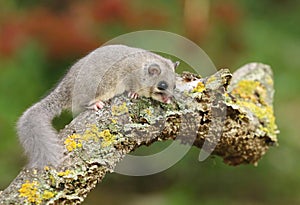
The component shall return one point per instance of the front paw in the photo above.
(133, 95)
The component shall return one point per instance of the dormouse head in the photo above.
(160, 74)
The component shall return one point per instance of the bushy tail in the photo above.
(37, 135)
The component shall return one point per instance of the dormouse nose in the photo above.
(162, 85)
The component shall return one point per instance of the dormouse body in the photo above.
(102, 74)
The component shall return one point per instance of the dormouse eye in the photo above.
(162, 85)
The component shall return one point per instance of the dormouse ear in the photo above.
(176, 64)
(154, 69)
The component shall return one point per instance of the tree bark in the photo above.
(228, 115)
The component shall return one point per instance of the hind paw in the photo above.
(97, 105)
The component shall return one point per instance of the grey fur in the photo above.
(101, 75)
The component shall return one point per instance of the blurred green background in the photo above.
(39, 40)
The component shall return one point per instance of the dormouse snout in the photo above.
(162, 92)
(162, 85)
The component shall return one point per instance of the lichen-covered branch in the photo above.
(229, 115)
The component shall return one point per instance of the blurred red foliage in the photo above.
(77, 27)
(228, 12)
(11, 36)
(110, 10)
(59, 34)
(73, 31)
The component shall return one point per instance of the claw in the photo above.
(133, 95)
(99, 105)
(96, 105)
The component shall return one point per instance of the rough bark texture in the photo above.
(228, 115)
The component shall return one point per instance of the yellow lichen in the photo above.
(250, 90)
(199, 88)
(211, 79)
(241, 116)
(148, 111)
(263, 113)
(52, 179)
(269, 80)
(48, 195)
(119, 110)
(29, 190)
(72, 142)
(46, 168)
(107, 137)
(93, 128)
(91, 134)
(65, 173)
(252, 95)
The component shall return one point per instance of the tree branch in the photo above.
(230, 116)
